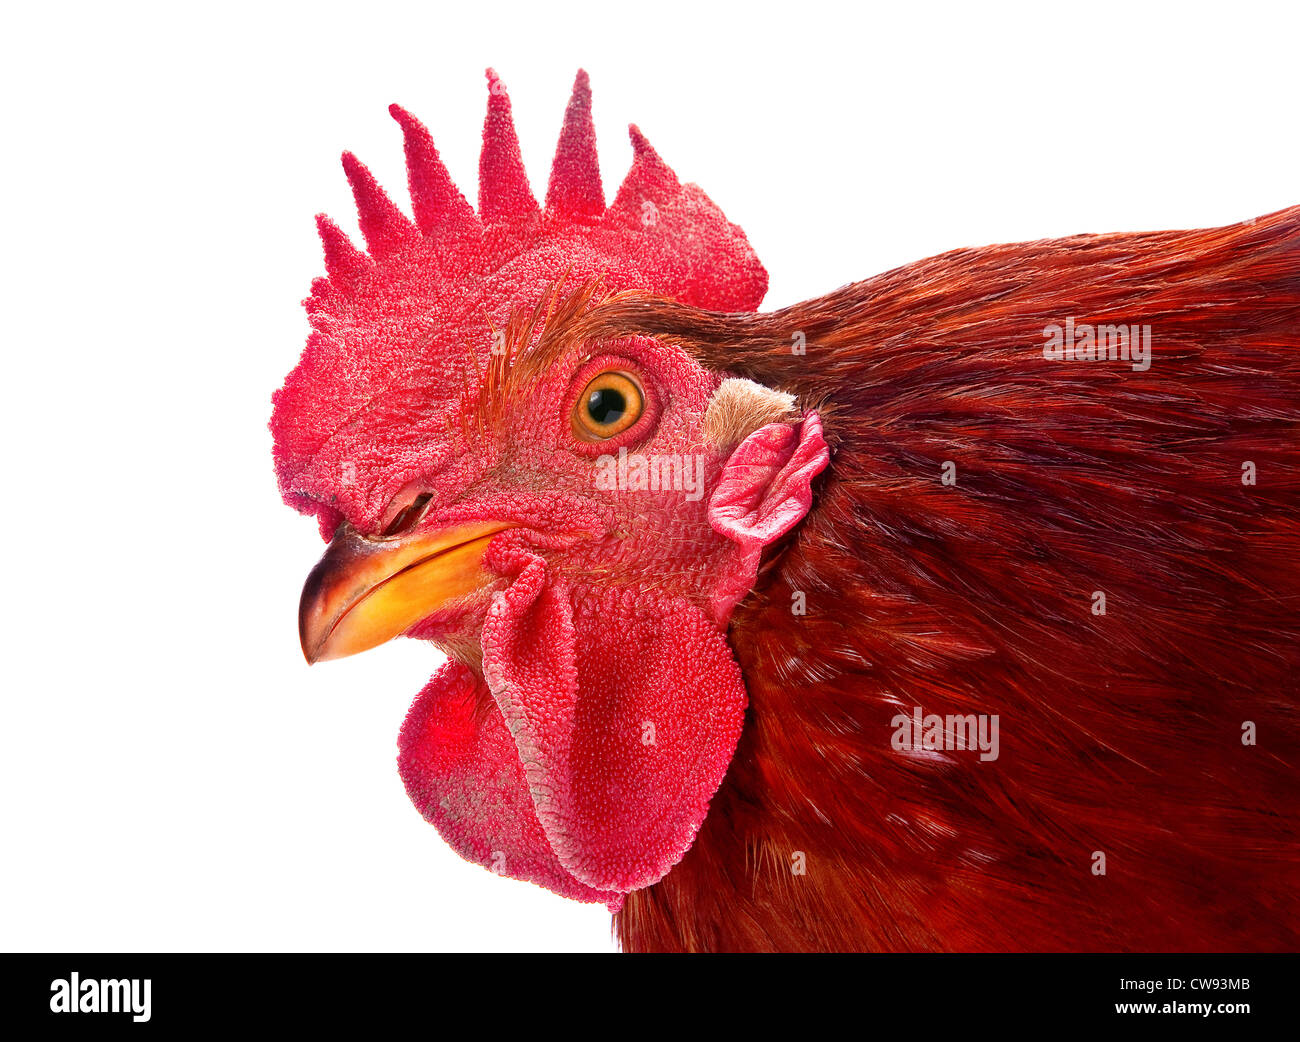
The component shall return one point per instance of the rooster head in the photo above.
(571, 516)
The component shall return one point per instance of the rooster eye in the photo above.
(609, 404)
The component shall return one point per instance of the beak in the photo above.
(364, 592)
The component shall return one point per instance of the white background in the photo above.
(172, 776)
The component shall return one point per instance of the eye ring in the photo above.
(611, 402)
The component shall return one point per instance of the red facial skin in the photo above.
(593, 704)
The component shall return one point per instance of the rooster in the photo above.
(912, 617)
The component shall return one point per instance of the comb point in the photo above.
(575, 188)
(383, 225)
(650, 178)
(439, 207)
(343, 261)
(503, 190)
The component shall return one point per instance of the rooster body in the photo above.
(1122, 732)
(688, 709)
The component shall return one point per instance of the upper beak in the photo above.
(365, 591)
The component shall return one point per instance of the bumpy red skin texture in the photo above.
(625, 710)
(460, 769)
(623, 700)
(599, 704)
(401, 335)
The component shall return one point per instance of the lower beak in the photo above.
(364, 592)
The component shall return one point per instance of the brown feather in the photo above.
(1120, 733)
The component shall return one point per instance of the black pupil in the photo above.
(606, 406)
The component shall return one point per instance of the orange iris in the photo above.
(610, 403)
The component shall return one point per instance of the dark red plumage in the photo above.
(1120, 733)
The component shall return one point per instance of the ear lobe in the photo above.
(765, 489)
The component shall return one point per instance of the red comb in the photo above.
(410, 311)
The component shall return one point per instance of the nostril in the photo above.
(409, 516)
